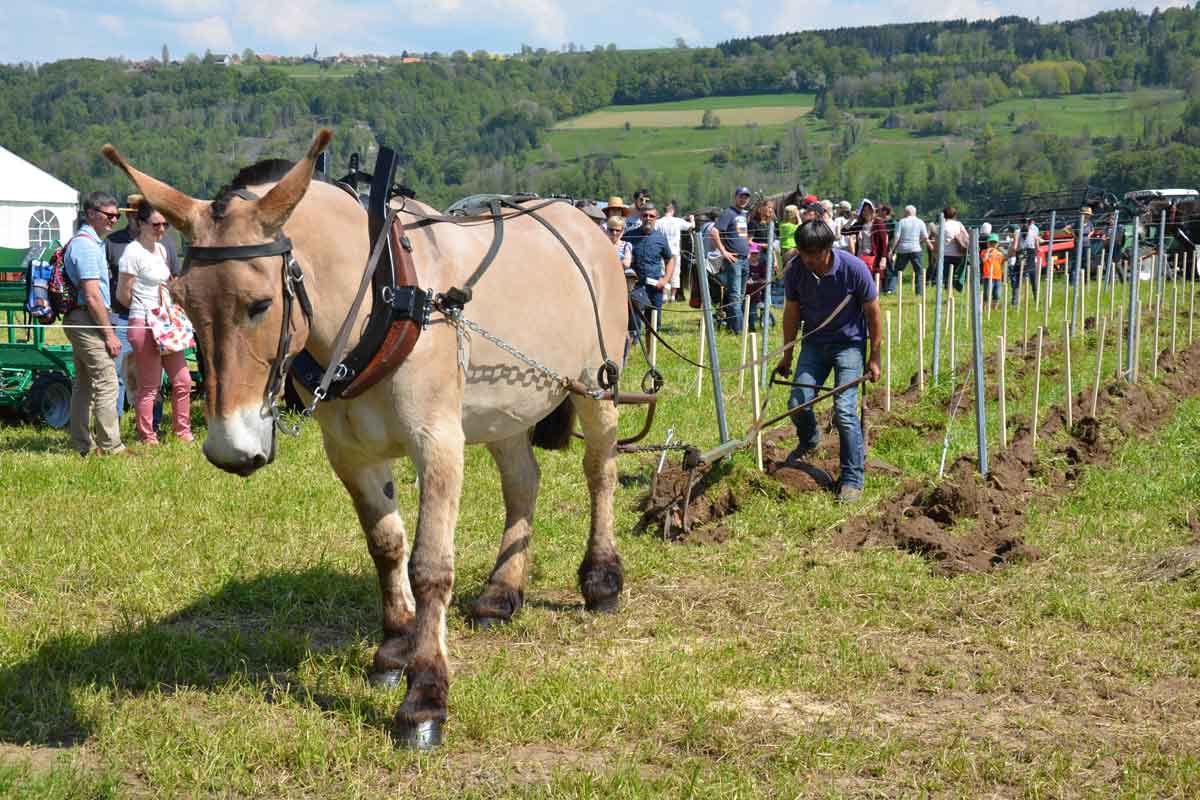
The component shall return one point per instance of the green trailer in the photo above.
(35, 376)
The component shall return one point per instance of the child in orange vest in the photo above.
(992, 270)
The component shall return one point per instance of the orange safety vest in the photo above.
(993, 264)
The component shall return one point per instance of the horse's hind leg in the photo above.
(600, 575)
(505, 592)
(374, 493)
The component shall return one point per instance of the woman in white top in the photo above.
(141, 285)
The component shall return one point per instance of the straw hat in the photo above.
(131, 203)
(616, 207)
(1086, 211)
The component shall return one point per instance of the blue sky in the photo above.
(55, 29)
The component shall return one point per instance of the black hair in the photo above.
(144, 211)
(814, 236)
(266, 171)
(98, 200)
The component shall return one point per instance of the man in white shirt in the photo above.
(1028, 238)
(912, 238)
(673, 227)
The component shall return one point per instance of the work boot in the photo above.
(799, 453)
(849, 494)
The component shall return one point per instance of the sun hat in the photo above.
(616, 206)
(1086, 211)
(131, 203)
(755, 247)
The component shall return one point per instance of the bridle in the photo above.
(293, 292)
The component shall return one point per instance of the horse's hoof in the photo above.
(604, 605)
(490, 623)
(423, 736)
(386, 679)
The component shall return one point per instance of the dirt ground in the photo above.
(963, 523)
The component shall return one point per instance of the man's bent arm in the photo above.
(875, 331)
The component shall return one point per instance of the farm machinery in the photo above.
(35, 375)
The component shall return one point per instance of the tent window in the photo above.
(43, 227)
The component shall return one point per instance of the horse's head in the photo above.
(233, 289)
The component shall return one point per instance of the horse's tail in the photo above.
(553, 432)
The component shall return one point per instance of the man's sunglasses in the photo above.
(113, 216)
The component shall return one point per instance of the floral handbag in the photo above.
(170, 326)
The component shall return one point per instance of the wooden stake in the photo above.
(1005, 299)
(1157, 312)
(1120, 341)
(1002, 391)
(921, 349)
(1099, 364)
(1025, 323)
(754, 396)
(745, 342)
(653, 350)
(700, 359)
(1037, 383)
(887, 361)
(953, 356)
(900, 310)
(1067, 355)
(1067, 292)
(1174, 303)
(1192, 298)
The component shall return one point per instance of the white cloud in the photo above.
(111, 24)
(307, 21)
(546, 21)
(211, 33)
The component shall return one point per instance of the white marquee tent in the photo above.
(35, 207)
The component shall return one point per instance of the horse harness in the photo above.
(400, 312)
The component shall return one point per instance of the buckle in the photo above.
(408, 302)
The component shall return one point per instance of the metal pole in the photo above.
(766, 323)
(1112, 246)
(713, 358)
(977, 336)
(1078, 278)
(937, 306)
(1134, 280)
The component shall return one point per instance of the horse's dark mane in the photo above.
(268, 170)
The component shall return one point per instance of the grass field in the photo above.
(169, 630)
(665, 139)
(757, 109)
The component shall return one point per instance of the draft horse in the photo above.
(449, 392)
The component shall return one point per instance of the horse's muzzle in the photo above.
(242, 442)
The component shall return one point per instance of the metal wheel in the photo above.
(49, 400)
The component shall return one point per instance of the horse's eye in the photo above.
(258, 308)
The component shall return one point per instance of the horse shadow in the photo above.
(259, 628)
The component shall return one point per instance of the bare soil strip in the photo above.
(964, 523)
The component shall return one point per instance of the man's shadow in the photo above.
(258, 627)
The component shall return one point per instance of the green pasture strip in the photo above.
(197, 634)
(716, 103)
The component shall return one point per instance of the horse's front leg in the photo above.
(438, 455)
(373, 490)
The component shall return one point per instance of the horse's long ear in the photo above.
(179, 209)
(276, 207)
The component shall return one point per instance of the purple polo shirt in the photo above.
(818, 296)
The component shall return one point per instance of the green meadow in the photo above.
(169, 630)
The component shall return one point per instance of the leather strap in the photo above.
(277, 247)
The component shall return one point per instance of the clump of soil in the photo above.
(923, 519)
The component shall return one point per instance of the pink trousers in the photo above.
(150, 363)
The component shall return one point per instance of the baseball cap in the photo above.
(742, 190)
(810, 199)
(845, 205)
(995, 237)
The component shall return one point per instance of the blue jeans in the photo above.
(896, 269)
(733, 278)
(991, 290)
(846, 360)
(642, 299)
